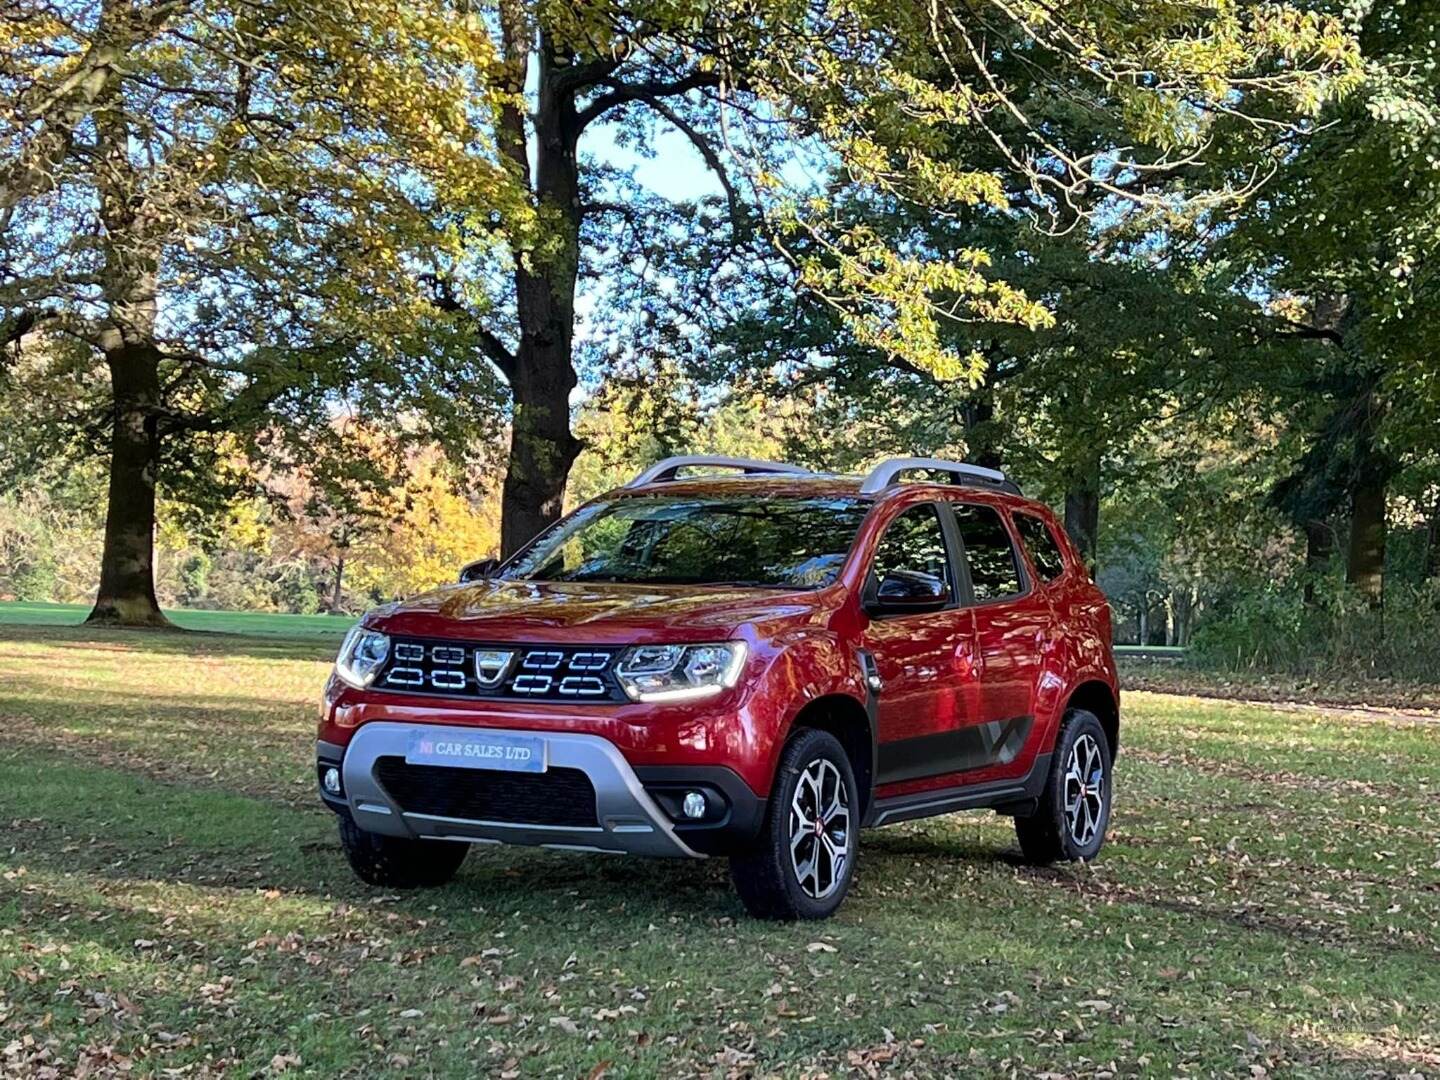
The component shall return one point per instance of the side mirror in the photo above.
(478, 570)
(908, 592)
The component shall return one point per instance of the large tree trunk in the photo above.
(130, 285)
(542, 449)
(1082, 512)
(978, 414)
(542, 374)
(127, 565)
(1365, 561)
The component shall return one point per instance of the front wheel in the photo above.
(801, 864)
(1074, 811)
(394, 862)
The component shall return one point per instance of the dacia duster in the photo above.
(752, 665)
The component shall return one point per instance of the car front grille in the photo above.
(559, 797)
(516, 672)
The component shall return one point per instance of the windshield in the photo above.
(775, 543)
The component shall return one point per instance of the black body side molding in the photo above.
(975, 746)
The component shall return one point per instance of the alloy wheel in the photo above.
(1084, 790)
(820, 833)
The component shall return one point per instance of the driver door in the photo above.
(914, 653)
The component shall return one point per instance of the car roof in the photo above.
(812, 485)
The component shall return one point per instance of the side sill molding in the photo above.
(922, 804)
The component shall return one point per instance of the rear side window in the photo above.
(1044, 552)
(994, 570)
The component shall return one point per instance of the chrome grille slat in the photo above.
(485, 670)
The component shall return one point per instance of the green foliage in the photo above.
(48, 540)
(210, 222)
(1350, 225)
(654, 410)
(1339, 634)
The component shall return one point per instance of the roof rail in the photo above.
(666, 470)
(888, 472)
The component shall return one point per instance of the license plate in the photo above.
(506, 753)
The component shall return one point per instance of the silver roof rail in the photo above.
(666, 470)
(888, 472)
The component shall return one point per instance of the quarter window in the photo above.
(1041, 544)
(914, 543)
(994, 570)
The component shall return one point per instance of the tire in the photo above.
(394, 862)
(1054, 833)
(768, 877)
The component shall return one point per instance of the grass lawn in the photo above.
(173, 902)
(19, 612)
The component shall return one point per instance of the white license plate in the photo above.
(506, 753)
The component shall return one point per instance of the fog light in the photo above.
(694, 805)
(330, 779)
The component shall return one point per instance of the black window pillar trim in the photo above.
(959, 564)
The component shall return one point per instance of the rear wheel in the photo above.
(394, 862)
(1074, 810)
(801, 864)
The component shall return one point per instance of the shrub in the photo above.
(1339, 633)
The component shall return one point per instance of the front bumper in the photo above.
(626, 819)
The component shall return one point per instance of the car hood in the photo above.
(562, 611)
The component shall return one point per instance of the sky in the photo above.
(676, 172)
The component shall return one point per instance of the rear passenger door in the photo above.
(1010, 623)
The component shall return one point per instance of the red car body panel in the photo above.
(942, 672)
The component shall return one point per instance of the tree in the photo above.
(404, 520)
(204, 212)
(1346, 244)
(878, 93)
(650, 408)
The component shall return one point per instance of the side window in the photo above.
(914, 543)
(1044, 552)
(994, 570)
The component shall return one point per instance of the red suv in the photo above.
(751, 665)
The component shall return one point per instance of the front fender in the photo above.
(810, 664)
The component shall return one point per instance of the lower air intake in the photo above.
(559, 797)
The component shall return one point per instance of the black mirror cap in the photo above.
(478, 570)
(908, 592)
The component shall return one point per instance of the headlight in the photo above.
(361, 656)
(679, 672)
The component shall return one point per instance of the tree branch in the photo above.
(739, 228)
(573, 78)
(1291, 328)
(515, 33)
(17, 326)
(622, 93)
(444, 298)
